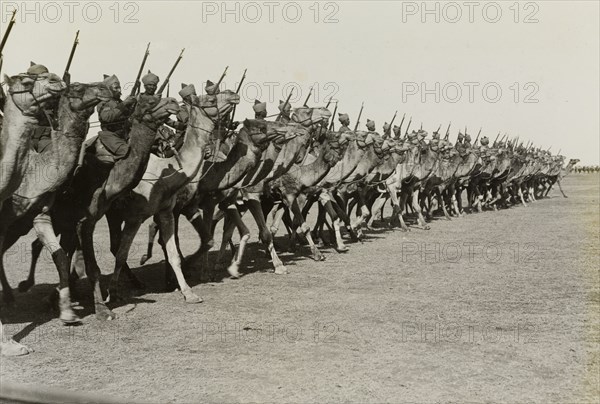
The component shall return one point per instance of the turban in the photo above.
(150, 78)
(344, 117)
(370, 124)
(386, 127)
(485, 141)
(460, 136)
(187, 89)
(36, 69)
(259, 106)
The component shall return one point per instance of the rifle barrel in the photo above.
(287, 100)
(70, 60)
(8, 29)
(164, 83)
(136, 85)
(333, 117)
(359, 115)
(307, 98)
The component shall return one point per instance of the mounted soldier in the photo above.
(467, 140)
(370, 125)
(114, 121)
(387, 130)
(345, 123)
(285, 109)
(168, 141)
(41, 134)
(150, 82)
(260, 110)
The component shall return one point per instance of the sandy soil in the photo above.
(499, 306)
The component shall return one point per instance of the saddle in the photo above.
(106, 149)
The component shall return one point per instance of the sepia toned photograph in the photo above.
(300, 201)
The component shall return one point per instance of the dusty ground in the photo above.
(500, 306)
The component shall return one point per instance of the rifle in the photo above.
(448, 130)
(7, 33)
(359, 114)
(477, 138)
(307, 98)
(393, 119)
(66, 75)
(239, 87)
(287, 100)
(495, 140)
(407, 127)
(401, 122)
(136, 85)
(164, 83)
(329, 102)
(333, 116)
(222, 75)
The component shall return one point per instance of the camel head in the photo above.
(572, 162)
(333, 148)
(311, 116)
(226, 99)
(84, 97)
(30, 92)
(154, 111)
(261, 133)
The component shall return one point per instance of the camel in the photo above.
(46, 173)
(27, 97)
(558, 174)
(306, 123)
(211, 191)
(294, 186)
(155, 195)
(96, 186)
(421, 161)
(197, 200)
(358, 144)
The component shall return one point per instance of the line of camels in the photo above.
(273, 169)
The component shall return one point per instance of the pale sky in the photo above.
(391, 55)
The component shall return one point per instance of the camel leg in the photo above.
(295, 205)
(560, 188)
(228, 229)
(443, 204)
(398, 206)
(10, 347)
(85, 232)
(152, 230)
(7, 293)
(114, 228)
(337, 224)
(36, 250)
(522, 197)
(166, 225)
(265, 235)
(234, 267)
(377, 210)
(42, 225)
(417, 208)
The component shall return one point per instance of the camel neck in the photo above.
(14, 148)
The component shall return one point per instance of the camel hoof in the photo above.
(342, 249)
(281, 270)
(25, 286)
(190, 297)
(113, 296)
(233, 271)
(68, 317)
(144, 259)
(317, 256)
(13, 348)
(103, 313)
(405, 229)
